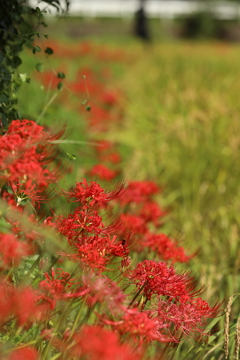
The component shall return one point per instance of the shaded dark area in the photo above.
(141, 29)
(203, 25)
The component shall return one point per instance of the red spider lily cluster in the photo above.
(96, 281)
(108, 296)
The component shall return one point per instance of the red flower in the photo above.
(97, 343)
(158, 279)
(12, 250)
(25, 353)
(166, 248)
(138, 192)
(188, 317)
(103, 172)
(98, 251)
(18, 303)
(25, 154)
(151, 212)
(142, 326)
(134, 223)
(89, 194)
(55, 286)
(103, 290)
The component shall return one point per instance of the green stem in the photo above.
(63, 316)
(26, 277)
(47, 106)
(76, 320)
(139, 291)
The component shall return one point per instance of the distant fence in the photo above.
(154, 8)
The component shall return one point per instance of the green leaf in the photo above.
(4, 226)
(24, 78)
(36, 49)
(1, 57)
(84, 102)
(46, 36)
(71, 156)
(49, 51)
(3, 119)
(88, 108)
(60, 85)
(3, 99)
(61, 75)
(39, 67)
(16, 61)
(4, 74)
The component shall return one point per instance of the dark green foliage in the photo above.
(48, 51)
(18, 28)
(200, 25)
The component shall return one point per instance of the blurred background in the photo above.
(168, 18)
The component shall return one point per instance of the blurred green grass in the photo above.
(180, 128)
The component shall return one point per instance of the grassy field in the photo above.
(180, 127)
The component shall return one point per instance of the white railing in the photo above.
(154, 8)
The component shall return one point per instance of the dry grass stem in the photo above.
(237, 345)
(226, 328)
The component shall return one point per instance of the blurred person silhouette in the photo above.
(141, 29)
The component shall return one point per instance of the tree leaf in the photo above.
(39, 67)
(36, 49)
(3, 119)
(49, 51)
(61, 75)
(3, 99)
(60, 85)
(16, 61)
(4, 74)
(24, 78)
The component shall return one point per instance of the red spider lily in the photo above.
(188, 317)
(25, 152)
(89, 194)
(151, 212)
(56, 285)
(81, 221)
(84, 222)
(106, 152)
(114, 158)
(103, 146)
(104, 345)
(103, 290)
(109, 98)
(103, 172)
(141, 326)
(97, 251)
(99, 118)
(156, 278)
(12, 250)
(166, 248)
(138, 192)
(18, 303)
(25, 353)
(134, 223)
